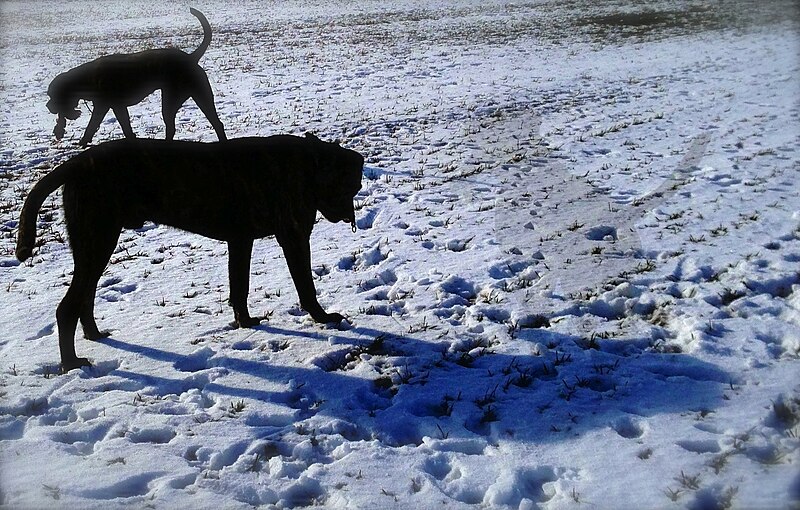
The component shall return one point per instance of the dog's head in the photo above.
(62, 103)
(338, 179)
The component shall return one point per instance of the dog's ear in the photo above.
(319, 153)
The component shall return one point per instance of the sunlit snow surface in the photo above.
(575, 283)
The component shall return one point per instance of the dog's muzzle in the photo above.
(337, 212)
(63, 110)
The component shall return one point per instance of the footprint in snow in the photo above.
(116, 291)
(366, 221)
(132, 486)
(628, 428)
(365, 258)
(700, 445)
(438, 466)
(196, 361)
(155, 435)
(514, 486)
(383, 278)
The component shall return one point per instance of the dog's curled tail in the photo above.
(26, 236)
(196, 54)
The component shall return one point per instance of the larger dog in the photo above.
(234, 191)
(117, 81)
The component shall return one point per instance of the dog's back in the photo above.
(136, 75)
(212, 189)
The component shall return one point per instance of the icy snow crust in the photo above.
(575, 281)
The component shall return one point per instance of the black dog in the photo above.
(234, 191)
(118, 81)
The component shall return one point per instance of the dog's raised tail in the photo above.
(26, 236)
(196, 54)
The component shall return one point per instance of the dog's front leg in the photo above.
(297, 251)
(124, 121)
(239, 252)
(98, 114)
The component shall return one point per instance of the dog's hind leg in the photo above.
(124, 121)
(73, 307)
(211, 113)
(98, 265)
(204, 97)
(67, 315)
(104, 240)
(93, 241)
(239, 253)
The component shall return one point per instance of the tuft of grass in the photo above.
(728, 296)
(488, 398)
(787, 413)
(644, 267)
(524, 379)
(236, 407)
(534, 322)
(719, 231)
(605, 368)
(673, 494)
(690, 482)
(404, 374)
(276, 345)
(445, 407)
(575, 226)
(725, 500)
(390, 494)
(568, 391)
(718, 462)
(53, 492)
(490, 415)
(422, 326)
(562, 358)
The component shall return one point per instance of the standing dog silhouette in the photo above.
(235, 191)
(114, 82)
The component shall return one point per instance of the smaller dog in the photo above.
(115, 82)
(234, 191)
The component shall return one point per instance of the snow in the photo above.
(574, 282)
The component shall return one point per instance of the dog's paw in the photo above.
(330, 318)
(247, 322)
(97, 335)
(67, 365)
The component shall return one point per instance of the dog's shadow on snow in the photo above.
(425, 389)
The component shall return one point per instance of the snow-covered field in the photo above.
(575, 283)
